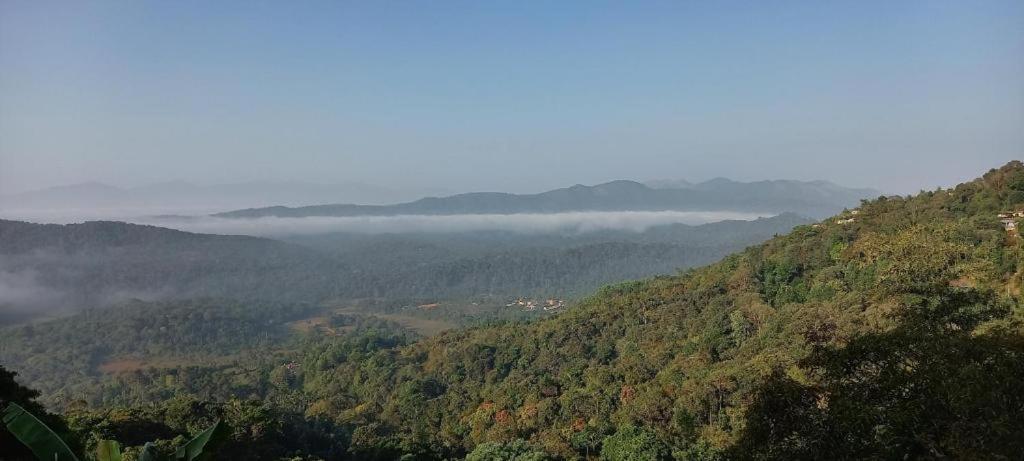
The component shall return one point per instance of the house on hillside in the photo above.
(1009, 219)
(552, 304)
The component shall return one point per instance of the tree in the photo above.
(932, 387)
(516, 450)
(13, 393)
(46, 445)
(632, 443)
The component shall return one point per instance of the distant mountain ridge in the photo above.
(810, 198)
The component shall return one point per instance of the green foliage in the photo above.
(148, 452)
(631, 443)
(32, 432)
(69, 354)
(249, 429)
(202, 445)
(108, 450)
(11, 392)
(516, 450)
(930, 388)
(781, 282)
(45, 444)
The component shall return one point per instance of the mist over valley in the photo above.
(511, 231)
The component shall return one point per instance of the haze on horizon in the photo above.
(470, 96)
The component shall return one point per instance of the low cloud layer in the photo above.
(524, 223)
(20, 288)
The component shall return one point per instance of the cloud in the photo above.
(21, 290)
(47, 283)
(571, 222)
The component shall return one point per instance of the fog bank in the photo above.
(571, 222)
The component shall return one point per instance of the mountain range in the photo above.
(814, 198)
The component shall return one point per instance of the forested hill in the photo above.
(17, 237)
(471, 264)
(894, 330)
(45, 267)
(815, 198)
(48, 266)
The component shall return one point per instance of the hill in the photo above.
(48, 268)
(864, 310)
(510, 264)
(807, 198)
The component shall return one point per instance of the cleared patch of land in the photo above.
(420, 325)
(128, 364)
(425, 327)
(308, 325)
(123, 365)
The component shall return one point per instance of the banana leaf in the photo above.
(202, 445)
(39, 438)
(108, 450)
(148, 452)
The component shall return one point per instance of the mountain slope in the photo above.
(67, 267)
(48, 267)
(472, 264)
(678, 361)
(807, 198)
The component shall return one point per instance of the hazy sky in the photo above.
(520, 96)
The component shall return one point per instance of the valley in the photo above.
(691, 361)
(511, 231)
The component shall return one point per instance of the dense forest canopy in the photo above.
(891, 330)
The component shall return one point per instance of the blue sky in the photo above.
(519, 96)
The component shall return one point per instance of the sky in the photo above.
(517, 96)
